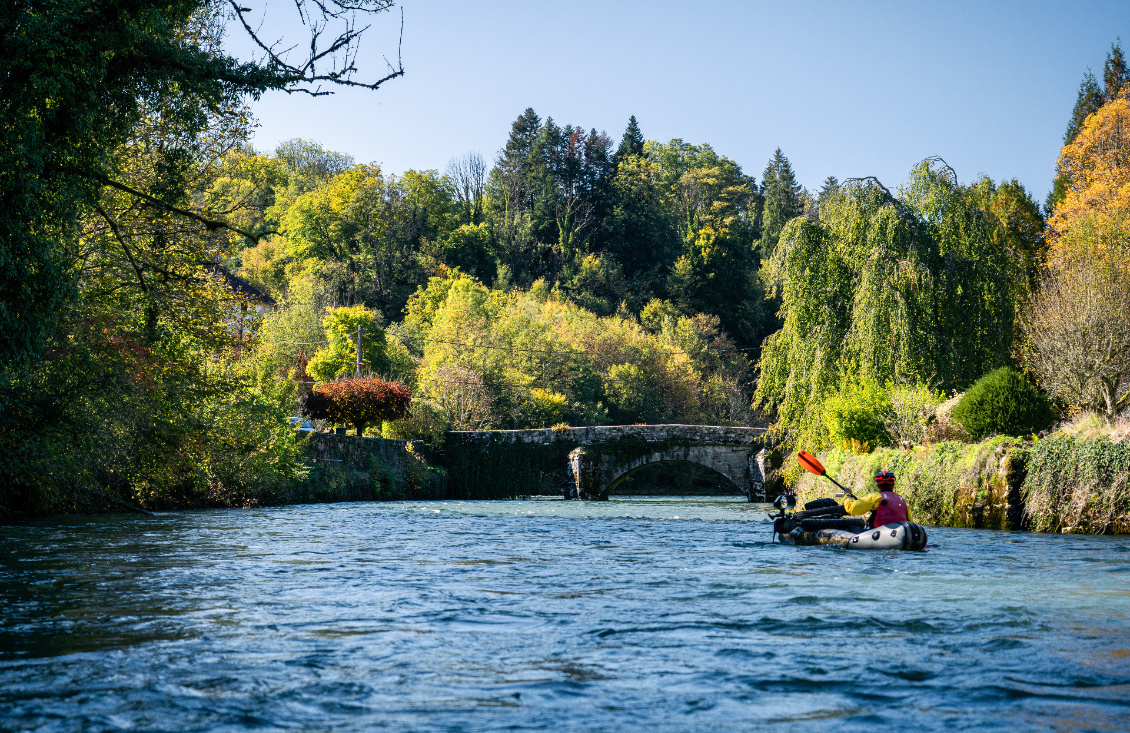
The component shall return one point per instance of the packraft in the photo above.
(826, 522)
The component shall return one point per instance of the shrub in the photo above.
(358, 402)
(1003, 402)
(854, 417)
(944, 428)
(911, 411)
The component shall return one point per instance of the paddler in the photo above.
(884, 505)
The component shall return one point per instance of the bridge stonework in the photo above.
(588, 462)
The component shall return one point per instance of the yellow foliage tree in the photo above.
(1094, 216)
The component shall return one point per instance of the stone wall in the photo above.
(505, 463)
(349, 468)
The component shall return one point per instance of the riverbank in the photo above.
(1062, 483)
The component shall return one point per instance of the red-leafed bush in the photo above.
(357, 402)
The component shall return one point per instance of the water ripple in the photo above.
(648, 614)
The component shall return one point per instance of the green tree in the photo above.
(781, 201)
(1115, 73)
(1022, 222)
(338, 358)
(78, 76)
(712, 205)
(631, 143)
(511, 196)
(639, 231)
(921, 286)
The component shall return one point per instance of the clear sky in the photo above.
(843, 88)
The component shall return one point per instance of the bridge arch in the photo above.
(703, 459)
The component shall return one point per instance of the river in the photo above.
(639, 614)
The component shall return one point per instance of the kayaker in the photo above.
(884, 505)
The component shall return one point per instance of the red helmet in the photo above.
(885, 480)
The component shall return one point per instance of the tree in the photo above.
(1094, 214)
(360, 235)
(1078, 328)
(339, 357)
(638, 230)
(358, 402)
(712, 205)
(918, 286)
(631, 143)
(1115, 73)
(78, 76)
(828, 188)
(467, 178)
(1021, 220)
(1090, 98)
(511, 196)
(781, 198)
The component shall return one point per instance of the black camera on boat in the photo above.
(785, 501)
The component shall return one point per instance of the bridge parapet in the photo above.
(499, 463)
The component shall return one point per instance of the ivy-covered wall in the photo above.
(349, 468)
(1078, 485)
(1058, 484)
(504, 464)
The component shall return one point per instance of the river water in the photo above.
(638, 614)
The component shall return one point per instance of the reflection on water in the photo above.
(638, 613)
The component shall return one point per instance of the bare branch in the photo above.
(340, 52)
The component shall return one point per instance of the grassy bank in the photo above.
(1063, 483)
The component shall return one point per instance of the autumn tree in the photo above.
(1091, 96)
(358, 402)
(1094, 214)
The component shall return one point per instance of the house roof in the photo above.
(239, 285)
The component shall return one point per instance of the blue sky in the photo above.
(843, 88)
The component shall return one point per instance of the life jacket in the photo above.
(892, 508)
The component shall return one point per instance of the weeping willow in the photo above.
(921, 286)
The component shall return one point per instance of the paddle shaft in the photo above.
(845, 489)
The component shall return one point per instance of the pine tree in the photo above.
(632, 141)
(830, 186)
(1115, 74)
(520, 144)
(781, 200)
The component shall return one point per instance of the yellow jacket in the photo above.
(867, 504)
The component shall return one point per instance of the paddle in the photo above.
(814, 466)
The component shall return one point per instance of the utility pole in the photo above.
(359, 352)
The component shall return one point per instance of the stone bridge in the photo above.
(588, 462)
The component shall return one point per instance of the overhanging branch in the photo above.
(210, 224)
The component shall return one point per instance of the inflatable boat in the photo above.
(825, 522)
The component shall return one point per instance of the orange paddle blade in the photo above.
(810, 463)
